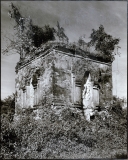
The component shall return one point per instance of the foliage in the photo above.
(1, 102)
(8, 106)
(121, 156)
(63, 135)
(60, 33)
(42, 35)
(30, 38)
(9, 138)
(82, 43)
(27, 34)
(9, 101)
(103, 42)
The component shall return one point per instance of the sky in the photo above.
(77, 18)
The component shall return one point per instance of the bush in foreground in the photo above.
(66, 135)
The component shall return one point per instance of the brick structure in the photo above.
(56, 76)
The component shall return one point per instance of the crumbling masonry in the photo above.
(56, 76)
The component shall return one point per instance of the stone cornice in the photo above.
(86, 57)
(67, 51)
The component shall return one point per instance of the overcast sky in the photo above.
(77, 18)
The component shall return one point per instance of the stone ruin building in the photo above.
(57, 75)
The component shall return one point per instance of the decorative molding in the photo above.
(53, 50)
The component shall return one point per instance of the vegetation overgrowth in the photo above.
(29, 37)
(64, 135)
(68, 134)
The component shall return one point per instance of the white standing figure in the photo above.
(87, 96)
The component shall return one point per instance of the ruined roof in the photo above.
(70, 49)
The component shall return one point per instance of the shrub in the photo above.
(121, 156)
(53, 134)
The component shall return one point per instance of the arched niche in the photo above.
(76, 90)
(36, 86)
(96, 98)
(78, 94)
(24, 96)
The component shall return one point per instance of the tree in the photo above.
(103, 42)
(27, 36)
(8, 105)
(81, 42)
(9, 101)
(60, 33)
(42, 35)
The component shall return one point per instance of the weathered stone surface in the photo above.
(58, 78)
(95, 96)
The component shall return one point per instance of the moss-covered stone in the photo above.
(57, 76)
